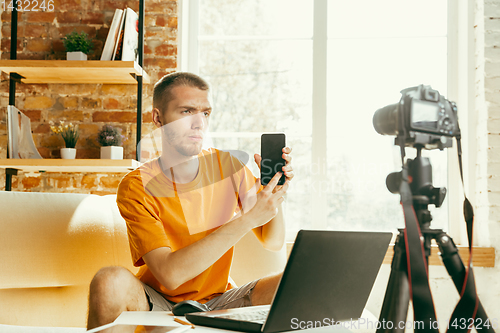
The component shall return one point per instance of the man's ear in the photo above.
(157, 118)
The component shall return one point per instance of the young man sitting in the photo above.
(184, 212)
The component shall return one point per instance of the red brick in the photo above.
(88, 153)
(72, 89)
(147, 117)
(88, 181)
(45, 152)
(161, 33)
(69, 17)
(93, 18)
(32, 89)
(52, 141)
(161, 21)
(64, 5)
(42, 128)
(39, 45)
(34, 115)
(111, 5)
(118, 117)
(172, 22)
(166, 50)
(91, 103)
(110, 181)
(15, 182)
(31, 182)
(40, 17)
(35, 30)
(88, 130)
(69, 102)
(67, 116)
(147, 49)
(95, 53)
(162, 7)
(6, 30)
(149, 20)
(38, 102)
(6, 45)
(118, 89)
(31, 56)
(162, 63)
(102, 33)
(61, 181)
(6, 15)
(113, 104)
(58, 46)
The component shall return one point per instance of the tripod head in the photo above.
(423, 192)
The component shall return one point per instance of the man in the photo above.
(185, 211)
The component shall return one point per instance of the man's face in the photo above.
(186, 119)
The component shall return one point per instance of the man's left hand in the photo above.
(287, 168)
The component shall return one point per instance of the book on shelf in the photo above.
(107, 51)
(20, 140)
(130, 36)
(119, 40)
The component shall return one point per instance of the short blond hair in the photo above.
(162, 93)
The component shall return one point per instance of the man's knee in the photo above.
(110, 282)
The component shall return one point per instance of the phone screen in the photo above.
(271, 150)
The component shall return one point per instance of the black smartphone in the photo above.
(271, 151)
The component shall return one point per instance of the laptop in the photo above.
(328, 278)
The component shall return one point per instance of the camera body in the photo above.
(424, 116)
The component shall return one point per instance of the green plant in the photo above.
(109, 136)
(69, 133)
(77, 42)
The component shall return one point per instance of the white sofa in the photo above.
(52, 244)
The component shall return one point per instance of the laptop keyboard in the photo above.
(252, 316)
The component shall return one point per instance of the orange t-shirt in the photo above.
(162, 213)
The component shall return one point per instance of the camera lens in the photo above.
(385, 120)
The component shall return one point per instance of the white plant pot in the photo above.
(76, 56)
(68, 153)
(112, 153)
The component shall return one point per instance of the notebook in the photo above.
(328, 278)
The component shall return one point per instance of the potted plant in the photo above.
(110, 140)
(77, 45)
(69, 133)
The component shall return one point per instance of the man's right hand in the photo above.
(267, 203)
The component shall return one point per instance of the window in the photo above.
(318, 70)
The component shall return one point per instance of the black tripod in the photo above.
(397, 295)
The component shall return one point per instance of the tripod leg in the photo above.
(397, 295)
(456, 269)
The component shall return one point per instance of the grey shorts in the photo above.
(234, 298)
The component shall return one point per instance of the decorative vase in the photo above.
(112, 152)
(68, 153)
(78, 55)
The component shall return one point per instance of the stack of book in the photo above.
(123, 36)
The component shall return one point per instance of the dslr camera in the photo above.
(423, 116)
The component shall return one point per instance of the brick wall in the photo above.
(89, 106)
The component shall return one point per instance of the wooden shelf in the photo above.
(77, 165)
(83, 72)
(481, 256)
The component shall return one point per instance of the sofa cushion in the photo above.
(55, 239)
(52, 244)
